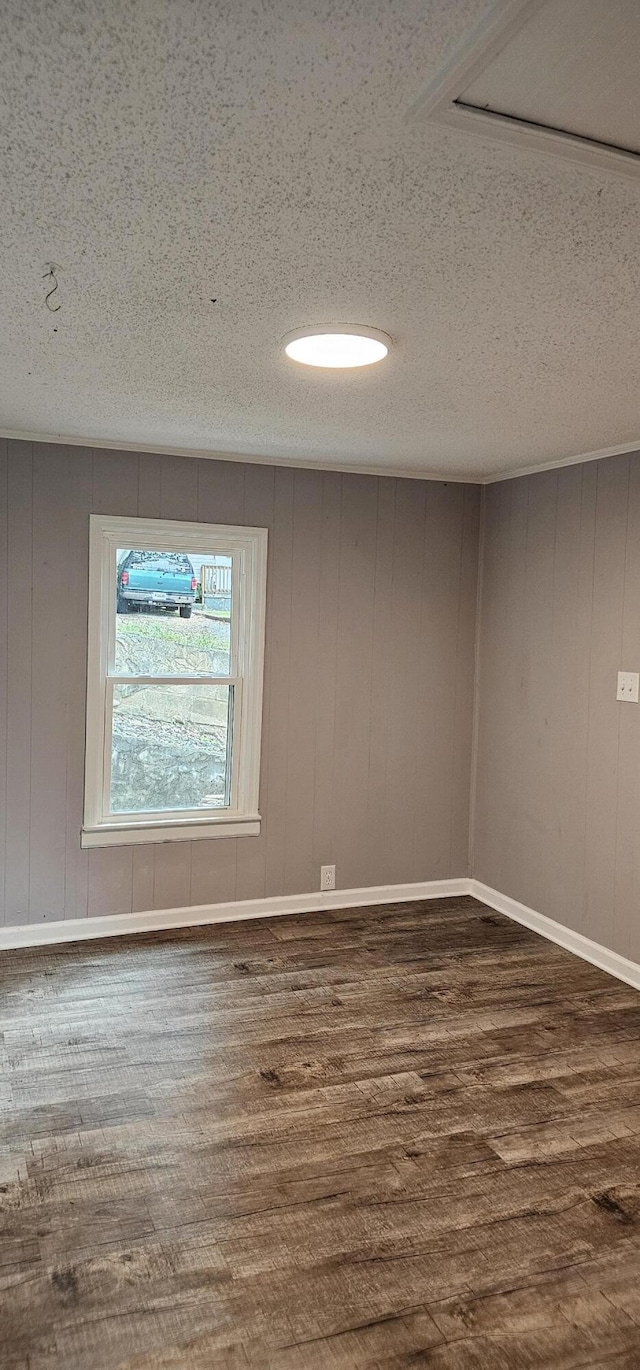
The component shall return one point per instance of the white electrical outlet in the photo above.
(628, 682)
(327, 877)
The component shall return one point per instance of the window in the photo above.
(174, 681)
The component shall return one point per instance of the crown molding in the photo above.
(578, 460)
(338, 468)
(250, 458)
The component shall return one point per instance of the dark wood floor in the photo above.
(378, 1138)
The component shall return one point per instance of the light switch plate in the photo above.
(628, 686)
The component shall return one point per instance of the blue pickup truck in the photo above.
(158, 579)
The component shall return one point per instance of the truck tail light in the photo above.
(194, 583)
(124, 578)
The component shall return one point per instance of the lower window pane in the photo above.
(171, 747)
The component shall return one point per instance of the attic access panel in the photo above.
(557, 77)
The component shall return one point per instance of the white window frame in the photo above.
(248, 548)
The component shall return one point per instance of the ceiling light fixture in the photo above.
(337, 345)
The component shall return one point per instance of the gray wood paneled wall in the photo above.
(368, 686)
(557, 803)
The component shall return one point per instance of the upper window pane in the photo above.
(173, 613)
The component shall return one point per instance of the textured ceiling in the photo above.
(170, 152)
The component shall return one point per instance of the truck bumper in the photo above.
(151, 597)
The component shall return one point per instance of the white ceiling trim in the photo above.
(299, 463)
(442, 103)
(580, 458)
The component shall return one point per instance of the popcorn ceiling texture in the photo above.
(168, 152)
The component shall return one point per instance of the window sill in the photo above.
(130, 834)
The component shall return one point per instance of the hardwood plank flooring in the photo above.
(384, 1137)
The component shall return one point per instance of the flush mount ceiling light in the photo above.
(337, 345)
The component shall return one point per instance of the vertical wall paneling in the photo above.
(4, 664)
(356, 579)
(428, 821)
(574, 814)
(19, 642)
(172, 875)
(52, 619)
(604, 711)
(115, 481)
(538, 618)
(278, 680)
(110, 881)
(569, 707)
(626, 932)
(367, 707)
(379, 691)
(149, 486)
(404, 654)
(464, 685)
(299, 873)
(558, 787)
(179, 489)
(258, 498)
(77, 503)
(114, 491)
(142, 878)
(221, 491)
(325, 652)
(501, 676)
(367, 627)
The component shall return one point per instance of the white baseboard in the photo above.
(155, 920)
(124, 924)
(600, 956)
